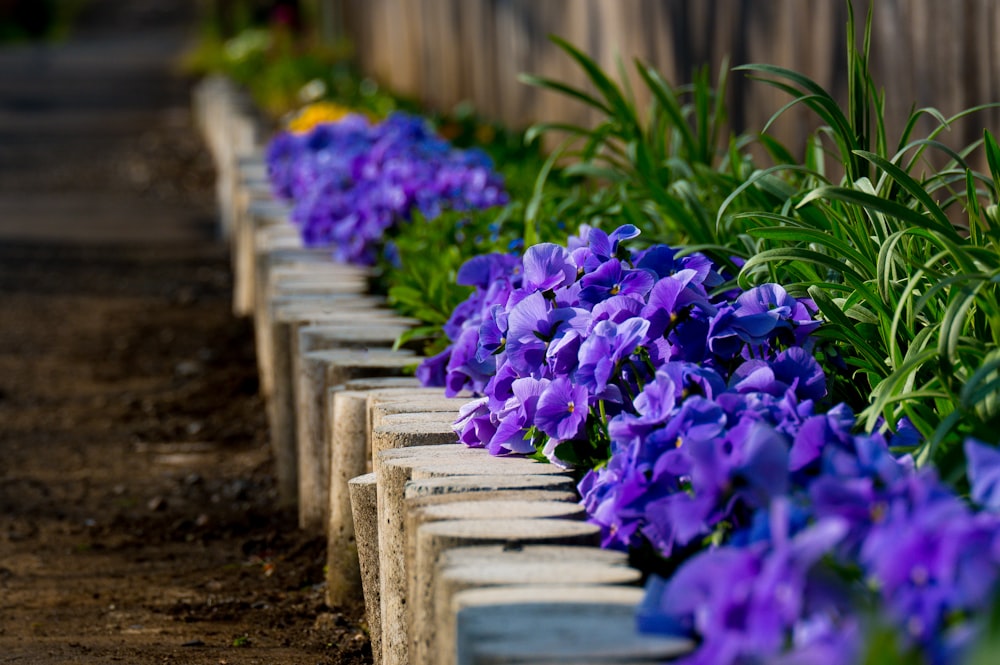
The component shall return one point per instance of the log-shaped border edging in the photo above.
(370, 458)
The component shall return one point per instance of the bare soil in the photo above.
(137, 501)
(137, 518)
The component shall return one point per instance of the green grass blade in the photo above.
(983, 382)
(800, 255)
(669, 104)
(993, 158)
(875, 203)
(910, 185)
(540, 128)
(616, 104)
(810, 93)
(564, 89)
(834, 245)
(894, 384)
(955, 319)
(847, 328)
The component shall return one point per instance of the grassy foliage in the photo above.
(673, 165)
(899, 255)
(903, 266)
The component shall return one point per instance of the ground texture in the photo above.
(137, 518)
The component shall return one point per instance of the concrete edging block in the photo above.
(363, 506)
(565, 625)
(435, 538)
(424, 576)
(319, 370)
(314, 417)
(439, 638)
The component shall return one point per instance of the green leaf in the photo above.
(983, 381)
(834, 246)
(616, 106)
(670, 105)
(564, 89)
(954, 321)
(875, 203)
(798, 255)
(912, 186)
(419, 332)
(847, 328)
(993, 158)
(894, 384)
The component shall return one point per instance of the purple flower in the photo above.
(483, 270)
(605, 348)
(615, 497)
(548, 266)
(474, 425)
(613, 278)
(431, 371)
(500, 387)
(517, 417)
(616, 309)
(562, 409)
(464, 368)
(599, 247)
(653, 406)
(677, 518)
(792, 369)
(929, 556)
(562, 356)
(492, 333)
(984, 473)
(760, 315)
(663, 262)
(818, 431)
(351, 182)
(762, 603)
(280, 157)
(531, 325)
(670, 297)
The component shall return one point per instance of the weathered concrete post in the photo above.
(564, 625)
(363, 505)
(423, 575)
(281, 405)
(321, 369)
(349, 457)
(438, 637)
(435, 538)
(393, 469)
(313, 419)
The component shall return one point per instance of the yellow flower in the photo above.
(314, 114)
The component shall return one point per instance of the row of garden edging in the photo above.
(461, 557)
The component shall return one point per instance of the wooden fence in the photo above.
(939, 53)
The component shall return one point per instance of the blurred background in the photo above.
(444, 54)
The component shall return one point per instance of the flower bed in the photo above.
(779, 414)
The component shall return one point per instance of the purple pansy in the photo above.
(605, 348)
(984, 473)
(548, 266)
(531, 325)
(760, 603)
(350, 182)
(613, 278)
(562, 409)
(517, 417)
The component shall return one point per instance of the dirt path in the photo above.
(136, 497)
